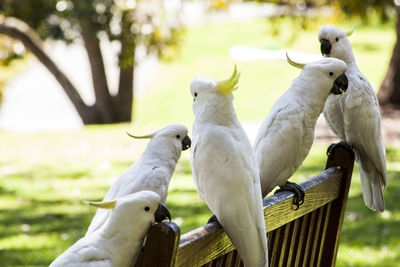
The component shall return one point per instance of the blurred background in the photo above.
(76, 75)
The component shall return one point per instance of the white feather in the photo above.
(152, 171)
(287, 133)
(118, 241)
(225, 171)
(358, 121)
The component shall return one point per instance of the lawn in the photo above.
(44, 177)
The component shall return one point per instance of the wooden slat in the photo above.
(320, 189)
(276, 247)
(321, 246)
(270, 241)
(233, 258)
(288, 230)
(294, 242)
(301, 250)
(315, 244)
(163, 235)
(210, 241)
(345, 159)
(203, 245)
(310, 238)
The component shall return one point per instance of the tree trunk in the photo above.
(389, 93)
(104, 104)
(124, 100)
(18, 29)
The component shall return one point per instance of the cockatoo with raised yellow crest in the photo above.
(118, 242)
(152, 171)
(286, 135)
(355, 117)
(225, 170)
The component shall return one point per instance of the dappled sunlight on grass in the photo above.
(361, 256)
(42, 209)
(44, 177)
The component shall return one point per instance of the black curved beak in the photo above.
(186, 142)
(325, 47)
(162, 213)
(340, 85)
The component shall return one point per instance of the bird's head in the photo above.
(134, 212)
(206, 90)
(334, 42)
(326, 75)
(174, 135)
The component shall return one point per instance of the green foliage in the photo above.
(134, 23)
(306, 15)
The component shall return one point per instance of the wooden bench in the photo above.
(306, 237)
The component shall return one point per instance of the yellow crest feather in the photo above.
(229, 85)
(349, 32)
(102, 204)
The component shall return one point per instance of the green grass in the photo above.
(44, 177)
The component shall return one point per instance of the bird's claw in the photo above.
(342, 144)
(298, 192)
(213, 219)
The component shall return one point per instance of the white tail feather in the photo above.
(371, 184)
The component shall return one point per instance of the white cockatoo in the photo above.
(285, 137)
(355, 117)
(225, 170)
(119, 240)
(152, 171)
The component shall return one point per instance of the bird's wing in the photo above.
(363, 132)
(226, 175)
(83, 253)
(279, 147)
(333, 114)
(153, 178)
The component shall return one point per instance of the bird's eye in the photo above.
(330, 73)
(178, 136)
(337, 39)
(195, 94)
(146, 208)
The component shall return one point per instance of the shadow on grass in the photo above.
(27, 257)
(195, 216)
(39, 237)
(38, 222)
(363, 227)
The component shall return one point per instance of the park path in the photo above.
(34, 101)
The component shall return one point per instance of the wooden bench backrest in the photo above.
(308, 236)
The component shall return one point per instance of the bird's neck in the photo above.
(218, 110)
(352, 67)
(161, 155)
(124, 244)
(311, 100)
(348, 58)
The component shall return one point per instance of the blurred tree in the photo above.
(151, 24)
(389, 92)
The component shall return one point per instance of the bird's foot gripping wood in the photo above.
(212, 219)
(342, 144)
(297, 190)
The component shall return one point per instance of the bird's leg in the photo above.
(297, 190)
(343, 144)
(212, 219)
